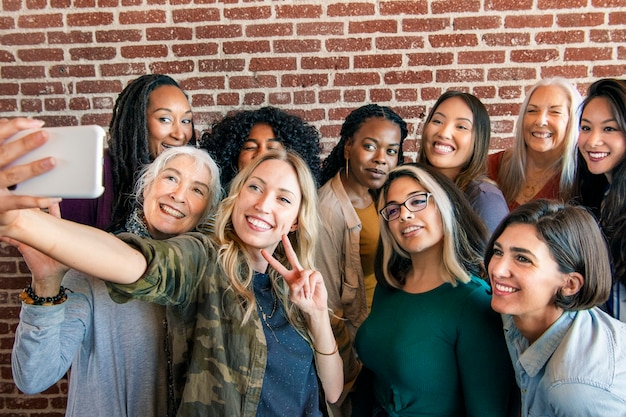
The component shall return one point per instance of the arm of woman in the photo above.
(484, 364)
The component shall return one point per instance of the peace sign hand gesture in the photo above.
(306, 287)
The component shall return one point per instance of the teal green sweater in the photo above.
(439, 353)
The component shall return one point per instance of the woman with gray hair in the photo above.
(123, 349)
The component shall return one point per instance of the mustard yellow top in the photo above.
(368, 241)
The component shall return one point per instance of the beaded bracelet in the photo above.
(327, 354)
(28, 296)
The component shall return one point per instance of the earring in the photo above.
(347, 169)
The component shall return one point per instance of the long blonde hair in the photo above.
(234, 259)
(511, 174)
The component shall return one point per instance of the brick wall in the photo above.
(65, 61)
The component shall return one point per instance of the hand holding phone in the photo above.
(78, 151)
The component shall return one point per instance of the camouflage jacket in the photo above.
(183, 271)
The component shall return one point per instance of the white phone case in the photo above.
(78, 151)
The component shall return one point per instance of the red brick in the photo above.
(279, 99)
(617, 18)
(203, 83)
(55, 104)
(79, 71)
(408, 77)
(103, 103)
(354, 96)
(202, 100)
(84, 3)
(305, 11)
(378, 95)
(7, 22)
(22, 39)
(247, 13)
(89, 19)
(516, 73)
(26, 105)
(400, 42)
(11, 5)
(485, 92)
(348, 44)
(9, 89)
(406, 94)
(571, 72)
(621, 53)
(6, 56)
(254, 99)
(34, 55)
(503, 109)
(373, 26)
(599, 36)
(169, 34)
(93, 54)
(534, 55)
(393, 8)
(588, 54)
(347, 79)
(508, 5)
(172, 67)
(304, 80)
(219, 32)
(526, 21)
(35, 4)
(221, 65)
(329, 96)
(269, 30)
(430, 59)
(461, 75)
(144, 51)
(607, 3)
(609, 71)
(350, 9)
(559, 38)
(103, 119)
(296, 46)
(228, 99)
(453, 41)
(377, 61)
(74, 36)
(482, 57)
(249, 47)
(559, 4)
(333, 63)
(477, 23)
(510, 92)
(89, 87)
(506, 39)
(579, 20)
(196, 15)
(79, 104)
(319, 28)
(425, 25)
(272, 64)
(21, 71)
(304, 97)
(131, 68)
(249, 82)
(147, 16)
(195, 49)
(454, 6)
(40, 21)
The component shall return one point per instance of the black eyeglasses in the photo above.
(417, 202)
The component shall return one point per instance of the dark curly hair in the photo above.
(225, 139)
(128, 141)
(336, 160)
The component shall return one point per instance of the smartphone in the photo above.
(78, 151)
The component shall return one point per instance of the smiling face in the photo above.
(176, 200)
(260, 140)
(169, 119)
(448, 137)
(419, 231)
(524, 276)
(545, 120)
(372, 152)
(601, 142)
(267, 206)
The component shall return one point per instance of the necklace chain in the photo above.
(265, 316)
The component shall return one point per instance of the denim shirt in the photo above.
(576, 368)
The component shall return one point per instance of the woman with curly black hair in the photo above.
(152, 113)
(369, 147)
(242, 136)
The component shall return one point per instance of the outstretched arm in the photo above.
(307, 291)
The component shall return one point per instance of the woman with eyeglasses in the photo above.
(431, 345)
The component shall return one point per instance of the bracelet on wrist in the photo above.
(28, 296)
(327, 354)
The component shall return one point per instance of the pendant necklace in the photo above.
(265, 316)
